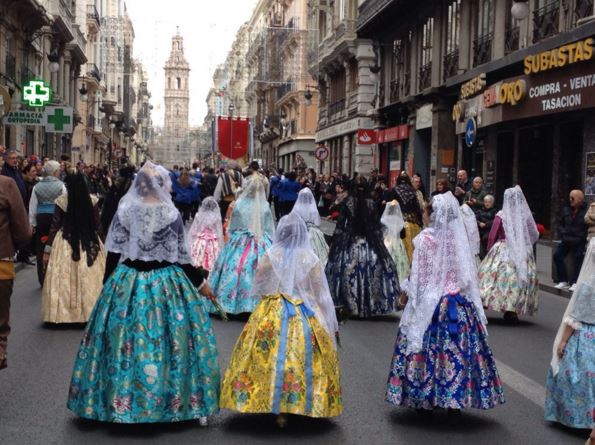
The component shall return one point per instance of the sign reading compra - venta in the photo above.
(558, 80)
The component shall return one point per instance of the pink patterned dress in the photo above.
(205, 249)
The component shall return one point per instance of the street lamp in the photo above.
(520, 9)
(54, 59)
(83, 91)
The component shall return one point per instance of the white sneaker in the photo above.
(561, 285)
(203, 421)
(572, 288)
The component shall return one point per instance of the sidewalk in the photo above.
(543, 260)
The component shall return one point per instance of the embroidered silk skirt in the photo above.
(318, 243)
(500, 287)
(411, 231)
(362, 281)
(70, 288)
(399, 255)
(232, 275)
(148, 353)
(204, 250)
(455, 369)
(570, 396)
(283, 362)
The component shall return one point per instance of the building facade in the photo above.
(340, 61)
(506, 97)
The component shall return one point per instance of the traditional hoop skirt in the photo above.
(205, 250)
(500, 287)
(232, 275)
(360, 280)
(148, 353)
(411, 231)
(71, 288)
(283, 362)
(318, 243)
(397, 251)
(570, 395)
(455, 368)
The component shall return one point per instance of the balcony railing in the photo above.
(512, 40)
(575, 10)
(546, 21)
(336, 107)
(285, 88)
(451, 64)
(425, 76)
(93, 15)
(482, 49)
(11, 67)
(93, 71)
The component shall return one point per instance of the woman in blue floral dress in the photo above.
(250, 235)
(148, 353)
(361, 273)
(442, 358)
(570, 397)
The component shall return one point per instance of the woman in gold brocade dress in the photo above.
(412, 212)
(74, 255)
(285, 361)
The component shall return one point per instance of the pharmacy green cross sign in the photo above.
(36, 93)
(58, 119)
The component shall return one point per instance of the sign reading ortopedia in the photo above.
(54, 119)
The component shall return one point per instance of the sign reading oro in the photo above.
(36, 93)
(54, 119)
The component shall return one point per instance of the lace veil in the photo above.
(392, 220)
(291, 267)
(471, 228)
(442, 264)
(306, 207)
(252, 211)
(208, 217)
(520, 229)
(581, 308)
(147, 225)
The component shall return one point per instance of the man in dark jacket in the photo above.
(11, 170)
(573, 233)
(15, 232)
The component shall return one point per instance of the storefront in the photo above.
(536, 129)
(393, 146)
(347, 154)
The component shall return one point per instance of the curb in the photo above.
(552, 290)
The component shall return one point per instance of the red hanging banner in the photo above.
(224, 136)
(239, 138)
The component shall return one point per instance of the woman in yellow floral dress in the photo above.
(285, 361)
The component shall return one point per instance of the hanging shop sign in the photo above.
(54, 119)
(321, 153)
(392, 134)
(559, 57)
(366, 137)
(36, 93)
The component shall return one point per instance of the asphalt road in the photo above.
(33, 390)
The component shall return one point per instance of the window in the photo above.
(178, 83)
(119, 93)
(353, 76)
(484, 18)
(451, 40)
(322, 25)
(425, 65)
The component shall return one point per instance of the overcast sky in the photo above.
(208, 27)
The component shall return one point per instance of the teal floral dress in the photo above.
(148, 353)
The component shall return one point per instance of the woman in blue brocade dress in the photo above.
(570, 397)
(148, 353)
(250, 235)
(442, 358)
(361, 273)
